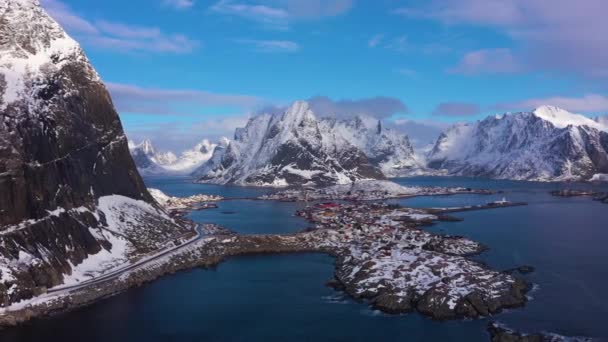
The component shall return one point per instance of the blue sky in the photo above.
(183, 70)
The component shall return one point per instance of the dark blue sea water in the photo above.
(283, 297)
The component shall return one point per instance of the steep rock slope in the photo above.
(296, 148)
(71, 201)
(548, 144)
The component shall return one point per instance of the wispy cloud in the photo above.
(279, 14)
(421, 133)
(118, 36)
(406, 72)
(375, 40)
(456, 109)
(590, 103)
(499, 61)
(402, 44)
(379, 107)
(179, 4)
(178, 136)
(559, 35)
(135, 99)
(271, 45)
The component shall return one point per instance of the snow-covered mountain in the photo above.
(296, 147)
(387, 149)
(547, 144)
(150, 161)
(72, 204)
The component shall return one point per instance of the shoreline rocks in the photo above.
(597, 196)
(501, 333)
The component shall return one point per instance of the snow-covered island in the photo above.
(383, 257)
(181, 204)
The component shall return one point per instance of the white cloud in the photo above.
(278, 14)
(561, 35)
(271, 45)
(118, 36)
(375, 40)
(135, 99)
(499, 61)
(179, 136)
(406, 72)
(588, 103)
(179, 4)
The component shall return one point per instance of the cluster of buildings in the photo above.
(372, 190)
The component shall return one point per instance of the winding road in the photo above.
(114, 274)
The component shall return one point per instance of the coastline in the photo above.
(211, 250)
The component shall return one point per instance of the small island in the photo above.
(597, 196)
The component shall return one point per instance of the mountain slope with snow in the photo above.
(389, 150)
(548, 144)
(296, 148)
(72, 204)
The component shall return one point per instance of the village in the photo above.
(368, 190)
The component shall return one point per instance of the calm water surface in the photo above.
(283, 297)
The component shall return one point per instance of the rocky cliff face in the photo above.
(548, 144)
(68, 186)
(297, 148)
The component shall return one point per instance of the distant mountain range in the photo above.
(150, 161)
(296, 148)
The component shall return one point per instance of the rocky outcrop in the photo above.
(500, 333)
(62, 149)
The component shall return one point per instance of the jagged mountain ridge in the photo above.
(297, 148)
(547, 144)
(150, 161)
(69, 189)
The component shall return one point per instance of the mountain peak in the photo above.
(299, 106)
(147, 146)
(297, 111)
(33, 45)
(561, 118)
